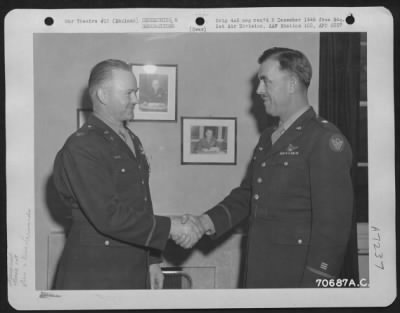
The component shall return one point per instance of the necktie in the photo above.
(277, 133)
(124, 133)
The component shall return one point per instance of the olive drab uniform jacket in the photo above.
(299, 199)
(114, 234)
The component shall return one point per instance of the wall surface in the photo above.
(216, 78)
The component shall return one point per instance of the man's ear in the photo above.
(102, 95)
(293, 84)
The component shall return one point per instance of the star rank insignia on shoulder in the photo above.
(290, 150)
(80, 133)
(84, 130)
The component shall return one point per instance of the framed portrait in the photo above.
(81, 116)
(208, 140)
(157, 92)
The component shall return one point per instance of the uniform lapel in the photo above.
(268, 141)
(293, 132)
(126, 147)
(137, 146)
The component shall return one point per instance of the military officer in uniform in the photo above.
(208, 143)
(102, 174)
(297, 193)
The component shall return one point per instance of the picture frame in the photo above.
(209, 140)
(157, 92)
(81, 116)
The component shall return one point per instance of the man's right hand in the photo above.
(186, 230)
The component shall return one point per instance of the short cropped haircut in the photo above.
(290, 60)
(102, 72)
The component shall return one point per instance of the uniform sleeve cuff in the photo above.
(155, 257)
(158, 236)
(221, 219)
(208, 224)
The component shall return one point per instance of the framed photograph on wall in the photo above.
(208, 140)
(157, 85)
(81, 116)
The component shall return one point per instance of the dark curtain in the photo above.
(339, 103)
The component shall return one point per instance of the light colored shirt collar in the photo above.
(293, 118)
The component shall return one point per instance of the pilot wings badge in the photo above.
(291, 148)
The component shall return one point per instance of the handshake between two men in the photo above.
(187, 230)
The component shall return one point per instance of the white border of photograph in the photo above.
(20, 156)
(153, 114)
(228, 158)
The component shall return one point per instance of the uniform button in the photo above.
(106, 132)
(123, 170)
(259, 180)
(260, 148)
(107, 243)
(263, 164)
(142, 182)
(254, 158)
(256, 196)
(90, 126)
(286, 163)
(145, 198)
(139, 166)
(300, 241)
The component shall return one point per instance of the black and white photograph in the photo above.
(208, 140)
(153, 92)
(204, 140)
(262, 185)
(156, 91)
